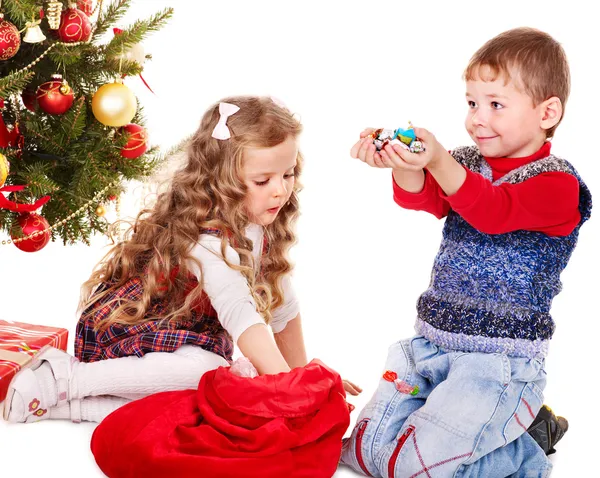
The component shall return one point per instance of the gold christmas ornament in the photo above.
(34, 33)
(114, 104)
(64, 88)
(53, 11)
(4, 168)
(100, 211)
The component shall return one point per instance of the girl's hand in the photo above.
(351, 388)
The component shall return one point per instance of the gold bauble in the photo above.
(64, 88)
(114, 104)
(100, 211)
(3, 169)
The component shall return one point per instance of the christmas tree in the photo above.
(71, 132)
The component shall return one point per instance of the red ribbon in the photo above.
(19, 207)
(147, 86)
(118, 31)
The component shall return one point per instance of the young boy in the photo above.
(458, 398)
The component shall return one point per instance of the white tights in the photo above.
(106, 385)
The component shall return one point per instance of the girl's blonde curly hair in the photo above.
(207, 192)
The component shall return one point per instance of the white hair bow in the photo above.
(221, 130)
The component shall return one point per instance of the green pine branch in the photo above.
(65, 55)
(35, 176)
(43, 135)
(116, 68)
(14, 83)
(21, 11)
(77, 229)
(96, 223)
(96, 169)
(137, 32)
(139, 115)
(110, 15)
(74, 122)
(6, 219)
(60, 207)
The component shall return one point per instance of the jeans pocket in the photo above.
(530, 402)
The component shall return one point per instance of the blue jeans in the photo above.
(468, 419)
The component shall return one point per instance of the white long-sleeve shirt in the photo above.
(228, 289)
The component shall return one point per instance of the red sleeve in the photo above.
(548, 203)
(429, 199)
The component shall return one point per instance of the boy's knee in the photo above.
(421, 447)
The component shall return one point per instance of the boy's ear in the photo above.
(552, 111)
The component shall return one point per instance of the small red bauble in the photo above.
(53, 97)
(29, 100)
(10, 40)
(31, 223)
(74, 26)
(138, 141)
(85, 6)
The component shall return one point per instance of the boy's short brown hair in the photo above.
(538, 59)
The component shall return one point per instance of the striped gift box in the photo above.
(20, 342)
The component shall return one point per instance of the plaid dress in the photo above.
(202, 329)
(121, 340)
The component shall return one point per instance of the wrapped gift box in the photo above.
(20, 342)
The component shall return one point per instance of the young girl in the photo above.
(203, 270)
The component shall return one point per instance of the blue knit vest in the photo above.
(492, 292)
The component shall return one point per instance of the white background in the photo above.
(361, 260)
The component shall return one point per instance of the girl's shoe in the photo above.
(30, 396)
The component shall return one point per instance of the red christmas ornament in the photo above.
(55, 97)
(29, 100)
(10, 40)
(31, 223)
(138, 141)
(74, 26)
(9, 137)
(85, 6)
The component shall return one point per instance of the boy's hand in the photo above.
(396, 157)
(365, 150)
(351, 388)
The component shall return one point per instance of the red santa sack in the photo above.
(287, 425)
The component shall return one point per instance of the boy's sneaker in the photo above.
(547, 429)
